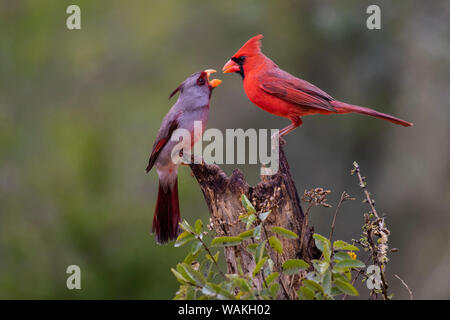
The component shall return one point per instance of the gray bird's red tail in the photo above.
(167, 214)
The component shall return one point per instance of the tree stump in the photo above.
(276, 193)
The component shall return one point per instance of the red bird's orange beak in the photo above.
(230, 67)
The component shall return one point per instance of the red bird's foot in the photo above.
(277, 137)
(296, 122)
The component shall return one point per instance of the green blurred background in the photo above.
(79, 111)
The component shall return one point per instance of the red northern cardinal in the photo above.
(192, 105)
(280, 93)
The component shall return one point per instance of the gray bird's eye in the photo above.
(200, 81)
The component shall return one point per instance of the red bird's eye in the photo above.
(200, 81)
(242, 58)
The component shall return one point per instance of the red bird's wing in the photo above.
(296, 91)
(160, 142)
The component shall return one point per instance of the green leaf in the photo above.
(190, 257)
(348, 274)
(276, 244)
(242, 284)
(293, 266)
(335, 291)
(338, 256)
(252, 247)
(312, 285)
(269, 268)
(193, 274)
(323, 244)
(247, 204)
(320, 266)
(251, 218)
(346, 287)
(257, 232)
(342, 245)
(198, 226)
(285, 232)
(313, 276)
(272, 277)
(226, 241)
(339, 276)
(248, 219)
(246, 234)
(209, 290)
(274, 288)
(183, 272)
(212, 289)
(350, 263)
(326, 282)
(184, 238)
(186, 227)
(259, 265)
(190, 293)
(321, 241)
(263, 216)
(260, 251)
(179, 276)
(196, 246)
(305, 293)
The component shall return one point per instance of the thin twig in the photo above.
(212, 257)
(363, 185)
(344, 197)
(406, 286)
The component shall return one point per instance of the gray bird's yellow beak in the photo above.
(215, 82)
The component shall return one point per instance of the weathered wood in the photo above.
(276, 193)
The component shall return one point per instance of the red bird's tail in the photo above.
(342, 107)
(167, 214)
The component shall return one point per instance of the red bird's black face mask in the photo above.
(235, 64)
(240, 62)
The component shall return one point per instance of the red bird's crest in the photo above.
(246, 58)
(252, 46)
